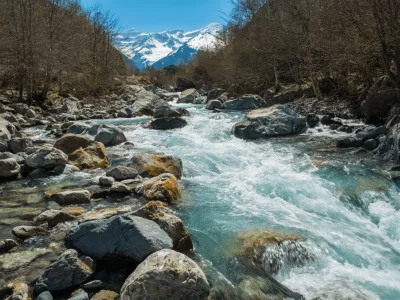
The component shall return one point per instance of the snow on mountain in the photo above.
(164, 48)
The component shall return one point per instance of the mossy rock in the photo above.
(163, 188)
(151, 165)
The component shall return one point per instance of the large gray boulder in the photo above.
(166, 123)
(9, 168)
(245, 102)
(120, 237)
(68, 271)
(122, 173)
(274, 121)
(47, 158)
(17, 145)
(164, 275)
(110, 136)
(147, 104)
(188, 96)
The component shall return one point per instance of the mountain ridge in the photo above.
(164, 48)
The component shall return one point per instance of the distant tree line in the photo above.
(56, 44)
(334, 46)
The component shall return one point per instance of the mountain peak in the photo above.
(166, 47)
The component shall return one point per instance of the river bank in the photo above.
(339, 205)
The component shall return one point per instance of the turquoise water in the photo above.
(344, 204)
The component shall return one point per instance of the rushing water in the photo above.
(346, 205)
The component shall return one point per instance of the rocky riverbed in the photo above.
(138, 197)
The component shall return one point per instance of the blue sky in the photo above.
(160, 15)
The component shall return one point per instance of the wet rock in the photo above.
(52, 218)
(68, 271)
(9, 168)
(17, 145)
(25, 232)
(15, 291)
(105, 295)
(44, 296)
(93, 285)
(188, 96)
(371, 133)
(166, 123)
(329, 120)
(348, 142)
(119, 187)
(122, 173)
(370, 145)
(346, 128)
(151, 165)
(47, 158)
(163, 187)
(71, 197)
(104, 213)
(77, 128)
(110, 136)
(16, 260)
(79, 295)
(268, 250)
(106, 181)
(7, 245)
(121, 237)
(245, 102)
(270, 122)
(166, 274)
(160, 213)
(214, 104)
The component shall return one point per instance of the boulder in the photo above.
(17, 145)
(312, 120)
(26, 232)
(110, 136)
(348, 142)
(104, 213)
(160, 213)
(79, 295)
(270, 122)
(15, 291)
(17, 260)
(371, 133)
(183, 84)
(3, 145)
(45, 296)
(147, 104)
(329, 120)
(7, 245)
(164, 275)
(71, 142)
(69, 107)
(163, 187)
(6, 129)
(122, 173)
(105, 295)
(151, 165)
(245, 102)
(52, 217)
(119, 187)
(68, 271)
(120, 237)
(47, 158)
(106, 181)
(188, 96)
(214, 104)
(166, 123)
(77, 128)
(71, 197)
(214, 94)
(370, 144)
(9, 168)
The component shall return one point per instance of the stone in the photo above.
(105, 295)
(6, 129)
(183, 84)
(312, 120)
(71, 197)
(245, 102)
(166, 123)
(45, 296)
(16, 260)
(348, 142)
(106, 181)
(47, 158)
(7, 245)
(160, 213)
(15, 291)
(371, 133)
(274, 121)
(68, 271)
(110, 136)
(9, 168)
(329, 120)
(93, 285)
(214, 94)
(25, 232)
(52, 218)
(147, 104)
(3, 146)
(65, 169)
(122, 173)
(151, 165)
(71, 142)
(119, 187)
(79, 295)
(163, 187)
(120, 237)
(77, 128)
(214, 104)
(104, 213)
(93, 157)
(17, 145)
(370, 144)
(164, 275)
(188, 96)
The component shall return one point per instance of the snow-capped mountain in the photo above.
(165, 48)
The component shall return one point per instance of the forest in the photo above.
(56, 45)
